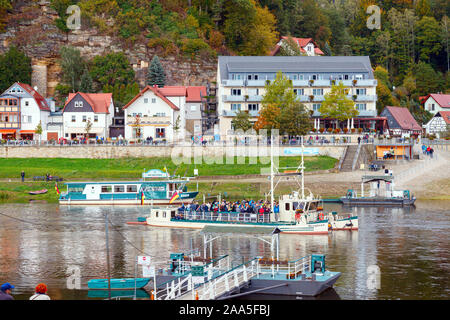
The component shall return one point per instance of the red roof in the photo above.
(156, 91)
(445, 115)
(302, 42)
(173, 91)
(404, 118)
(442, 99)
(195, 94)
(100, 102)
(37, 97)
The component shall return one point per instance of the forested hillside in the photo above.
(409, 51)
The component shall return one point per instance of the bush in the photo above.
(192, 47)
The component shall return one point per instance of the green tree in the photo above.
(242, 121)
(86, 82)
(14, 66)
(336, 105)
(111, 69)
(156, 74)
(295, 120)
(88, 128)
(428, 38)
(71, 64)
(279, 92)
(39, 131)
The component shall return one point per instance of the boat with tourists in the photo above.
(382, 195)
(296, 213)
(156, 187)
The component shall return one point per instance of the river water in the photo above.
(41, 242)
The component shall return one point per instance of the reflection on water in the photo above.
(410, 246)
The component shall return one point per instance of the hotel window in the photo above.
(106, 189)
(316, 106)
(235, 92)
(119, 189)
(360, 91)
(300, 77)
(345, 76)
(131, 188)
(84, 118)
(318, 92)
(145, 100)
(294, 77)
(359, 77)
(160, 132)
(253, 107)
(95, 118)
(235, 106)
(299, 92)
(361, 106)
(255, 77)
(153, 100)
(314, 77)
(249, 77)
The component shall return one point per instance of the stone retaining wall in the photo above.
(109, 152)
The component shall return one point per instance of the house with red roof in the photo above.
(81, 108)
(307, 46)
(439, 124)
(400, 122)
(164, 114)
(22, 108)
(436, 102)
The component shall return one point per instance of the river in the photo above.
(41, 242)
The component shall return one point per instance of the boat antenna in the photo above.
(303, 167)
(271, 173)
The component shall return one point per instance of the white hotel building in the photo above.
(241, 84)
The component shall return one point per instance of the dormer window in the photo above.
(78, 104)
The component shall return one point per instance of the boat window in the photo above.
(294, 205)
(164, 214)
(106, 189)
(156, 214)
(172, 214)
(287, 206)
(131, 188)
(76, 189)
(119, 188)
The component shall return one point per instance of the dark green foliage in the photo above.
(111, 69)
(15, 66)
(156, 74)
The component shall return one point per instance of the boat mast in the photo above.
(303, 167)
(271, 173)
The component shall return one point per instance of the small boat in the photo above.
(38, 192)
(155, 188)
(391, 197)
(140, 294)
(118, 284)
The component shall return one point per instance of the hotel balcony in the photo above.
(321, 83)
(256, 83)
(362, 113)
(145, 120)
(370, 98)
(300, 83)
(9, 125)
(241, 98)
(366, 83)
(233, 83)
(302, 98)
(233, 113)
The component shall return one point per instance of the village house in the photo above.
(436, 102)
(164, 114)
(83, 108)
(306, 45)
(22, 108)
(400, 122)
(439, 124)
(241, 86)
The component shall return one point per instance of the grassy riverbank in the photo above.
(132, 168)
(13, 190)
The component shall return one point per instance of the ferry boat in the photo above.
(390, 197)
(155, 188)
(298, 214)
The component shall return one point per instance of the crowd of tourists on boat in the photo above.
(243, 206)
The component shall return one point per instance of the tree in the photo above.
(86, 82)
(88, 128)
(71, 64)
(279, 92)
(242, 121)
(14, 66)
(111, 69)
(156, 74)
(336, 104)
(428, 38)
(290, 48)
(39, 131)
(268, 118)
(294, 120)
(176, 126)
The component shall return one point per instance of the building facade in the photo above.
(22, 108)
(400, 122)
(437, 102)
(306, 46)
(241, 84)
(83, 108)
(439, 124)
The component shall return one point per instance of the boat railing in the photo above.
(222, 216)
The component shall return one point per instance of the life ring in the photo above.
(321, 216)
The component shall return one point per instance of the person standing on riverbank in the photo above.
(5, 291)
(41, 293)
(22, 174)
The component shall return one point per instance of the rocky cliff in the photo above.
(31, 27)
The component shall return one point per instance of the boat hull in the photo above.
(346, 224)
(118, 284)
(124, 202)
(296, 287)
(315, 229)
(377, 201)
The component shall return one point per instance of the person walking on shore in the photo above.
(431, 152)
(22, 174)
(5, 291)
(41, 293)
